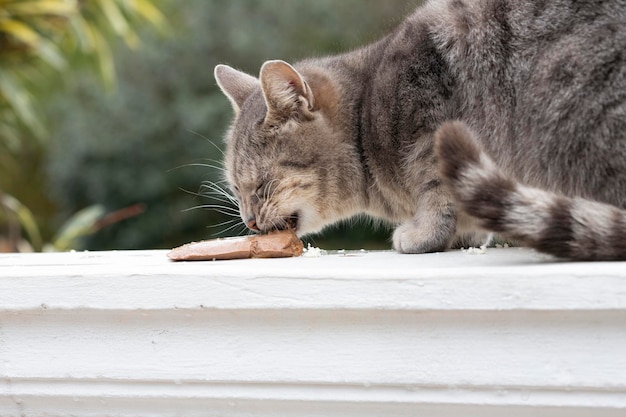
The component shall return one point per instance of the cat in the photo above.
(472, 117)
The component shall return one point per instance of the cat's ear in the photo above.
(237, 85)
(285, 90)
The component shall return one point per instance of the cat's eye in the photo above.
(260, 189)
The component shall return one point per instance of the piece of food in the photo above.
(279, 244)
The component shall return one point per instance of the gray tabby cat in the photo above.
(473, 116)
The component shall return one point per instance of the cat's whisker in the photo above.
(238, 228)
(212, 164)
(225, 203)
(193, 193)
(215, 188)
(227, 222)
(215, 166)
(219, 149)
(229, 211)
(221, 199)
(276, 225)
(214, 195)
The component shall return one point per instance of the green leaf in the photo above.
(25, 217)
(105, 58)
(80, 224)
(19, 30)
(148, 11)
(19, 99)
(115, 17)
(42, 7)
(83, 34)
(51, 54)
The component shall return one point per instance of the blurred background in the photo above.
(111, 121)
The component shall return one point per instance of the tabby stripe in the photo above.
(490, 201)
(558, 235)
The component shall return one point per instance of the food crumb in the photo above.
(313, 252)
(475, 251)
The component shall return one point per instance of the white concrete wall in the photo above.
(360, 334)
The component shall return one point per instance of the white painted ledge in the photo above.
(508, 333)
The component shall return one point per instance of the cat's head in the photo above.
(286, 159)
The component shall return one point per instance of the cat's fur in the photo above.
(437, 126)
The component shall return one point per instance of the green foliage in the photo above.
(40, 40)
(40, 36)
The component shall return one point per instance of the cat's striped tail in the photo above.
(571, 228)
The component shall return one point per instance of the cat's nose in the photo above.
(251, 223)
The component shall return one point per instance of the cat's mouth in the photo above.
(290, 222)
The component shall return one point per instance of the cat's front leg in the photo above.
(432, 228)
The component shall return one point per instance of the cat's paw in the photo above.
(410, 238)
